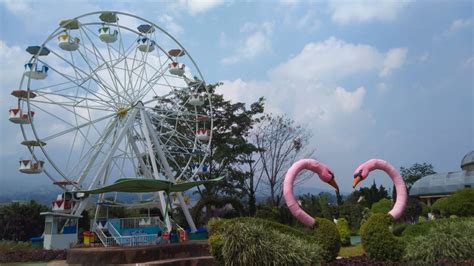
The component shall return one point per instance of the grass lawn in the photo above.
(351, 251)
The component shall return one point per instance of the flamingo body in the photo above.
(324, 173)
(402, 196)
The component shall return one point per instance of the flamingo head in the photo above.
(328, 176)
(360, 174)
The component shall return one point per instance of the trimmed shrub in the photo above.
(267, 213)
(344, 232)
(327, 236)
(215, 247)
(425, 209)
(414, 230)
(377, 240)
(218, 224)
(449, 240)
(247, 243)
(398, 229)
(461, 203)
(382, 206)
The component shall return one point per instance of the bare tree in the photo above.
(280, 141)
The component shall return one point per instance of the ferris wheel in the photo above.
(110, 95)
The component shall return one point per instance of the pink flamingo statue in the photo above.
(324, 173)
(376, 164)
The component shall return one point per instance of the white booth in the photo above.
(60, 230)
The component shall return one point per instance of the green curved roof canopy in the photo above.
(141, 185)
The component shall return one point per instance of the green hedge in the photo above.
(461, 203)
(248, 241)
(344, 232)
(327, 236)
(377, 240)
(449, 239)
(381, 206)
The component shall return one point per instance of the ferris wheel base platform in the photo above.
(186, 253)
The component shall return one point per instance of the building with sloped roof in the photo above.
(432, 187)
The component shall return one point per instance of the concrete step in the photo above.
(193, 261)
(127, 255)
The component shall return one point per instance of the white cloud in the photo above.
(382, 87)
(349, 101)
(17, 7)
(395, 59)
(424, 57)
(198, 6)
(460, 24)
(170, 25)
(334, 59)
(345, 12)
(254, 44)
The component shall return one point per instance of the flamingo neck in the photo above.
(291, 202)
(400, 187)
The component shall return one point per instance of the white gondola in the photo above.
(196, 100)
(203, 135)
(107, 35)
(176, 68)
(63, 203)
(145, 45)
(32, 71)
(31, 166)
(68, 43)
(18, 117)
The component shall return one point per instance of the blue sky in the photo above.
(370, 79)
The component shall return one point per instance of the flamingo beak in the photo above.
(334, 184)
(357, 179)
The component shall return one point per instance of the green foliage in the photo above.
(267, 212)
(382, 206)
(378, 242)
(398, 229)
(351, 251)
(418, 229)
(461, 203)
(449, 239)
(8, 245)
(20, 222)
(416, 171)
(425, 209)
(250, 241)
(327, 236)
(216, 242)
(216, 226)
(343, 229)
(353, 213)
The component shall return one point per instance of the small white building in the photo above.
(60, 230)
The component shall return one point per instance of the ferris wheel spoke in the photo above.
(98, 108)
(110, 69)
(73, 128)
(79, 84)
(101, 83)
(97, 78)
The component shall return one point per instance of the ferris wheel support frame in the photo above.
(156, 174)
(168, 172)
(130, 119)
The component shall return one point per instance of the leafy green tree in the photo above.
(416, 171)
(230, 150)
(20, 222)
